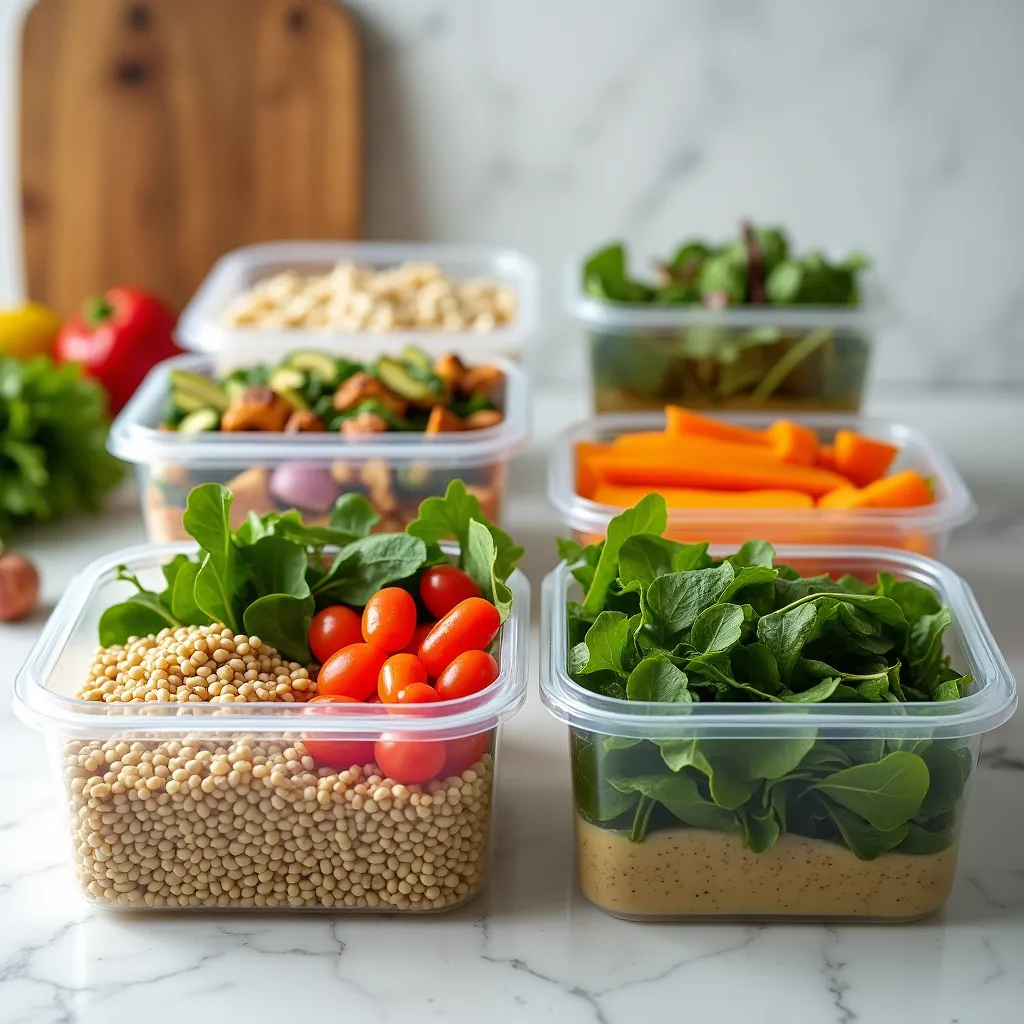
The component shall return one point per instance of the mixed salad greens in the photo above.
(272, 574)
(713, 364)
(662, 621)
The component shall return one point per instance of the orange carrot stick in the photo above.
(671, 446)
(686, 421)
(694, 469)
(794, 443)
(679, 497)
(863, 459)
(827, 457)
(901, 490)
(586, 478)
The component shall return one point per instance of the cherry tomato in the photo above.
(332, 753)
(443, 587)
(470, 626)
(397, 673)
(332, 628)
(463, 753)
(418, 636)
(409, 760)
(389, 619)
(352, 671)
(469, 673)
(416, 693)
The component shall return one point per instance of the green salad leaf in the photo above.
(663, 622)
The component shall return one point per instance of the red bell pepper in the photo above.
(117, 339)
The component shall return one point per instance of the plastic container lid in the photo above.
(605, 314)
(200, 328)
(992, 703)
(135, 435)
(59, 661)
(953, 506)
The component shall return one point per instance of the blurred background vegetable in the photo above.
(53, 430)
(19, 586)
(28, 330)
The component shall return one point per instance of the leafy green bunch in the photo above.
(663, 622)
(272, 574)
(53, 432)
(756, 267)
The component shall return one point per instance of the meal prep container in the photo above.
(681, 872)
(289, 838)
(395, 471)
(200, 328)
(777, 358)
(926, 529)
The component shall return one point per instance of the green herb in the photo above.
(273, 573)
(663, 622)
(53, 432)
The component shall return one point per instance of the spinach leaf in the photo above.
(143, 613)
(363, 567)
(643, 558)
(864, 840)
(219, 582)
(657, 679)
(282, 621)
(276, 566)
(183, 600)
(603, 646)
(480, 561)
(675, 600)
(717, 628)
(353, 516)
(754, 552)
(785, 632)
(595, 796)
(886, 794)
(680, 795)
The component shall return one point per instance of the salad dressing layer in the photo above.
(707, 873)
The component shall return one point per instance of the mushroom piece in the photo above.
(481, 380)
(303, 421)
(365, 423)
(442, 421)
(361, 387)
(256, 408)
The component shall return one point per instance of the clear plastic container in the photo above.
(704, 870)
(395, 471)
(926, 529)
(288, 835)
(776, 358)
(201, 327)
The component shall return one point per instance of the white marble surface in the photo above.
(531, 949)
(553, 126)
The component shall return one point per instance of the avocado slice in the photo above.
(191, 391)
(199, 421)
(287, 379)
(320, 364)
(418, 361)
(396, 376)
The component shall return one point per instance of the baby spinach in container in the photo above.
(748, 324)
(750, 741)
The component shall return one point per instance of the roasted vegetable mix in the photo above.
(328, 617)
(663, 622)
(704, 358)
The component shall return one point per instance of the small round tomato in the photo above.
(337, 753)
(397, 673)
(419, 634)
(389, 619)
(332, 628)
(351, 672)
(408, 760)
(417, 693)
(463, 753)
(442, 587)
(470, 626)
(469, 673)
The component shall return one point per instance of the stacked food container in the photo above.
(783, 725)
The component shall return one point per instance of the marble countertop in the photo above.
(531, 949)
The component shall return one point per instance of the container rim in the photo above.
(42, 708)
(954, 508)
(199, 329)
(610, 315)
(135, 438)
(989, 707)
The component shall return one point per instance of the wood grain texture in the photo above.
(158, 134)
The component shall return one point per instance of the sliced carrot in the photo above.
(586, 479)
(794, 443)
(863, 459)
(827, 457)
(686, 421)
(901, 490)
(672, 446)
(694, 469)
(680, 497)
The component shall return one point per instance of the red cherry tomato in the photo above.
(416, 693)
(332, 628)
(352, 671)
(470, 626)
(337, 753)
(409, 760)
(443, 587)
(397, 673)
(469, 673)
(389, 619)
(463, 753)
(418, 636)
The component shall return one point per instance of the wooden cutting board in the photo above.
(158, 134)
